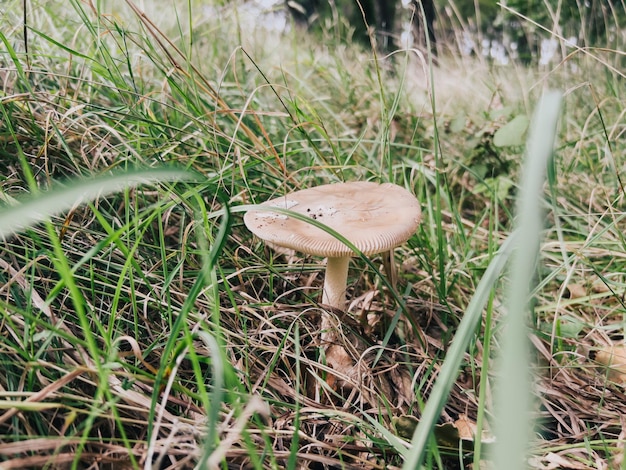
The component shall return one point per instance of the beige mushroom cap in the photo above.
(374, 217)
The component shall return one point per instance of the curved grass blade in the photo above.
(44, 205)
(513, 393)
(450, 369)
(514, 367)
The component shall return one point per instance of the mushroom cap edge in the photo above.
(373, 217)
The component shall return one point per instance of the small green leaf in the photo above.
(500, 186)
(458, 123)
(568, 327)
(498, 113)
(512, 133)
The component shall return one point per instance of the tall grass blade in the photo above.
(450, 369)
(513, 392)
(539, 150)
(176, 348)
(46, 204)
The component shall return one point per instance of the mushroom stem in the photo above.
(335, 282)
(333, 294)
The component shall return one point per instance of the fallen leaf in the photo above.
(512, 133)
(600, 286)
(338, 358)
(405, 425)
(466, 428)
(576, 291)
(552, 461)
(449, 435)
(612, 357)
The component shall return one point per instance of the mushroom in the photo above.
(374, 217)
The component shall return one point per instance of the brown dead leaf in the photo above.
(553, 461)
(340, 360)
(576, 291)
(465, 427)
(402, 385)
(599, 286)
(449, 435)
(467, 430)
(613, 357)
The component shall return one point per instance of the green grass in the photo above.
(142, 325)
